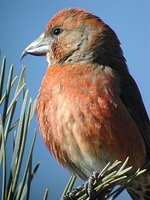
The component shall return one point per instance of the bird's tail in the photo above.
(140, 188)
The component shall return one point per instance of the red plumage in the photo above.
(89, 108)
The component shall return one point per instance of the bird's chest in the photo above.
(72, 112)
(67, 104)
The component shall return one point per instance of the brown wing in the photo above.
(132, 99)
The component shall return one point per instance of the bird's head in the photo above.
(75, 35)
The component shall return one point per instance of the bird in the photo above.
(89, 108)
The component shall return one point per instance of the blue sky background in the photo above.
(22, 21)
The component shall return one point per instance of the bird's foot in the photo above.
(88, 188)
(89, 185)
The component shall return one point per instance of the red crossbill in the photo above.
(89, 109)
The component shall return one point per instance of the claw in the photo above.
(89, 184)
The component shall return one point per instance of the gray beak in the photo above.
(39, 47)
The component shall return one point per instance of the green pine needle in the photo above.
(16, 180)
(112, 175)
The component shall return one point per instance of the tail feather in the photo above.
(140, 188)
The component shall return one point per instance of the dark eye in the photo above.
(57, 31)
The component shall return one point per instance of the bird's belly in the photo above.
(84, 133)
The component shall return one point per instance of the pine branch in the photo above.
(14, 97)
(103, 186)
